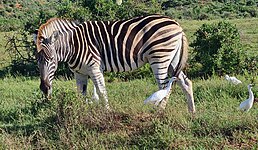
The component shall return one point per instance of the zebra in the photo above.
(93, 47)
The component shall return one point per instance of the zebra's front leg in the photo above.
(186, 85)
(95, 95)
(99, 82)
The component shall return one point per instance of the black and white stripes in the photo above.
(96, 46)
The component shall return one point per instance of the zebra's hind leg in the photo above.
(186, 85)
(82, 83)
(162, 79)
(164, 102)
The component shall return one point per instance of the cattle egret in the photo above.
(247, 104)
(157, 97)
(119, 2)
(233, 80)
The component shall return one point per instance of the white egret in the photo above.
(157, 97)
(247, 104)
(233, 80)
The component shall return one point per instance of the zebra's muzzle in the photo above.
(45, 87)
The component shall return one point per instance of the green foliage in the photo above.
(16, 15)
(74, 11)
(209, 9)
(217, 49)
(106, 10)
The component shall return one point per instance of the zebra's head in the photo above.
(47, 60)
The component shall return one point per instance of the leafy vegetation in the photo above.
(218, 49)
(17, 14)
(20, 14)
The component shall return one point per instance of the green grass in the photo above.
(67, 121)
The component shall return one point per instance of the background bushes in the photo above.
(218, 49)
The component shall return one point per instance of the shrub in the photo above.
(217, 49)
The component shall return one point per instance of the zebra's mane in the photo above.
(52, 25)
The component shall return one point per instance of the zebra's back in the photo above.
(128, 44)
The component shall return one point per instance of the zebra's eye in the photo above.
(51, 58)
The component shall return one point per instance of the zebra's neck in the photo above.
(64, 48)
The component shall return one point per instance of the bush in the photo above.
(218, 50)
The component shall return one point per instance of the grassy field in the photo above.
(67, 122)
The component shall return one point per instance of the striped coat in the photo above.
(96, 46)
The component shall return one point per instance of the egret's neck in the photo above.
(251, 94)
(169, 85)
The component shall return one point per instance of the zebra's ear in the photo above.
(54, 36)
(35, 35)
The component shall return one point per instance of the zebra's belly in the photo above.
(125, 68)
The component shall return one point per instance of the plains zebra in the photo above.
(92, 47)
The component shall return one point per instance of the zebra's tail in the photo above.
(183, 57)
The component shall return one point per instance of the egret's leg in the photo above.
(186, 85)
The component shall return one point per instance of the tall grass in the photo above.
(28, 121)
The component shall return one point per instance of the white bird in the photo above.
(156, 97)
(233, 80)
(247, 104)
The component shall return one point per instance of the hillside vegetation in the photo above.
(16, 14)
